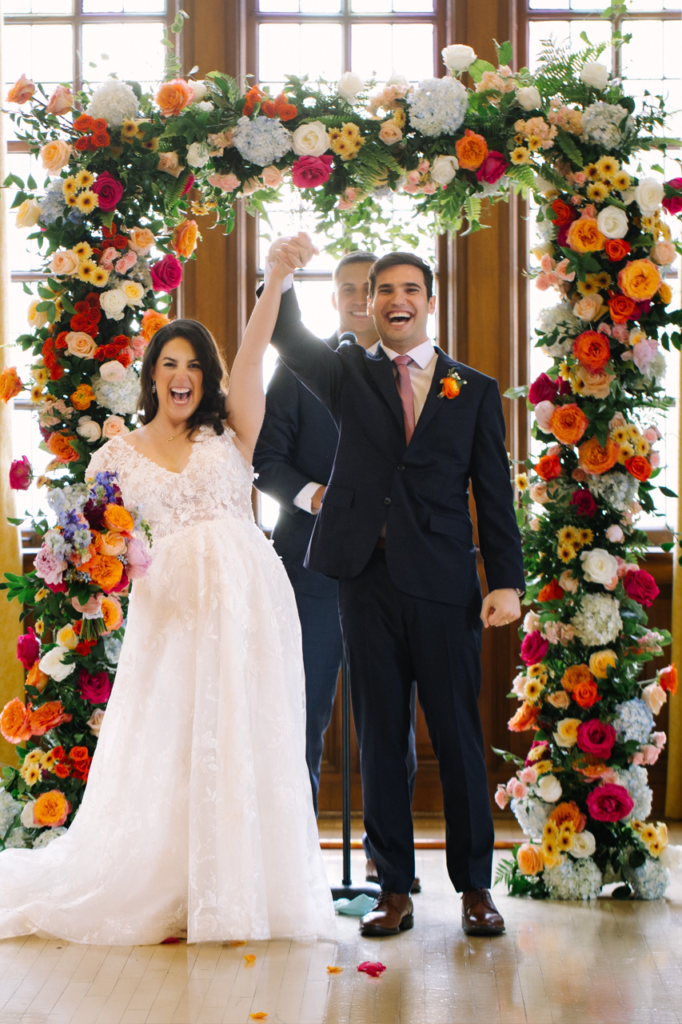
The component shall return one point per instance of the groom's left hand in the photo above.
(500, 607)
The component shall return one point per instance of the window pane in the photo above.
(133, 51)
(563, 32)
(279, 6)
(308, 49)
(42, 52)
(25, 440)
(380, 50)
(124, 6)
(38, 7)
(387, 6)
(23, 254)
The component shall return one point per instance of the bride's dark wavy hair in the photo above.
(211, 410)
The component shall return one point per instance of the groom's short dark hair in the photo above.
(398, 259)
(358, 256)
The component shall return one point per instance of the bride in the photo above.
(198, 813)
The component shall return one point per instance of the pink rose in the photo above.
(92, 609)
(543, 389)
(528, 775)
(493, 167)
(20, 474)
(138, 344)
(658, 738)
(650, 754)
(413, 177)
(543, 414)
(519, 790)
(534, 647)
(112, 372)
(501, 798)
(568, 582)
(139, 559)
(654, 696)
(126, 262)
(170, 164)
(272, 176)
(663, 253)
(560, 699)
(60, 101)
(311, 171)
(225, 182)
(114, 426)
(423, 166)
(96, 689)
(595, 737)
(640, 586)
(28, 649)
(109, 257)
(643, 352)
(615, 534)
(609, 803)
(94, 722)
(109, 189)
(49, 566)
(672, 202)
(166, 274)
(428, 189)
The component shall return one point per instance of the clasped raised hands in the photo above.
(292, 252)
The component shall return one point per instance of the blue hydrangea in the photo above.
(573, 879)
(635, 780)
(261, 141)
(52, 204)
(112, 649)
(438, 106)
(531, 815)
(633, 721)
(649, 881)
(606, 123)
(120, 396)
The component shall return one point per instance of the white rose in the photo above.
(28, 214)
(628, 196)
(458, 57)
(114, 426)
(36, 318)
(52, 664)
(595, 75)
(529, 98)
(548, 788)
(671, 858)
(584, 844)
(399, 81)
(27, 819)
(613, 222)
(112, 372)
(649, 194)
(89, 429)
(198, 154)
(443, 169)
(598, 566)
(310, 139)
(199, 90)
(350, 85)
(113, 302)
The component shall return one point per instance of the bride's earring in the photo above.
(154, 386)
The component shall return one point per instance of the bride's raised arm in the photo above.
(246, 395)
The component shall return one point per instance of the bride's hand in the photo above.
(300, 247)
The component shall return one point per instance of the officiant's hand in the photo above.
(299, 247)
(500, 607)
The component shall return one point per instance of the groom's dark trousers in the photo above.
(410, 603)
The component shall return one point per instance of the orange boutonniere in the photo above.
(452, 384)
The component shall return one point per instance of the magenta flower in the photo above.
(96, 689)
(672, 201)
(609, 802)
(109, 189)
(584, 503)
(640, 586)
(543, 389)
(534, 647)
(28, 649)
(595, 737)
(493, 167)
(311, 171)
(166, 274)
(20, 474)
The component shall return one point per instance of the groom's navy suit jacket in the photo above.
(420, 492)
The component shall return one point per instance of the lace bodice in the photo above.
(215, 483)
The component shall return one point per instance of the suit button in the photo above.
(387, 501)
(401, 467)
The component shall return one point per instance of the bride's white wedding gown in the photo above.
(198, 811)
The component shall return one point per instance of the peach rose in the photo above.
(112, 613)
(390, 133)
(574, 675)
(471, 150)
(654, 696)
(529, 859)
(272, 176)
(590, 307)
(525, 718)
(36, 678)
(60, 102)
(118, 518)
(594, 385)
(113, 544)
(568, 814)
(141, 240)
(80, 344)
(170, 164)
(152, 322)
(639, 280)
(663, 253)
(47, 716)
(64, 261)
(51, 809)
(559, 700)
(114, 426)
(112, 372)
(104, 570)
(584, 235)
(14, 722)
(59, 445)
(21, 91)
(10, 384)
(184, 240)
(568, 582)
(225, 182)
(173, 96)
(55, 155)
(83, 397)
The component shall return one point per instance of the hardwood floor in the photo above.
(600, 963)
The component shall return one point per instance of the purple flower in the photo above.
(28, 649)
(96, 689)
(166, 274)
(20, 474)
(49, 566)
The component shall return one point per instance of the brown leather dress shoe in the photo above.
(392, 914)
(480, 916)
(372, 876)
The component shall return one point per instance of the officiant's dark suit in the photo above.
(395, 530)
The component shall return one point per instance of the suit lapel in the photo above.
(433, 402)
(381, 371)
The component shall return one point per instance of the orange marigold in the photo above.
(105, 570)
(592, 349)
(525, 718)
(574, 675)
(152, 322)
(14, 722)
(568, 423)
(640, 279)
(51, 809)
(548, 467)
(10, 384)
(595, 459)
(586, 694)
(83, 397)
(584, 235)
(568, 813)
(60, 446)
(551, 592)
(173, 96)
(47, 716)
(471, 150)
(184, 240)
(639, 467)
(118, 518)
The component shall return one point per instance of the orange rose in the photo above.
(586, 694)
(83, 397)
(525, 718)
(639, 467)
(60, 446)
(563, 213)
(592, 349)
(595, 459)
(584, 235)
(667, 679)
(548, 467)
(184, 240)
(112, 613)
(104, 570)
(617, 249)
(21, 91)
(568, 423)
(574, 675)
(173, 96)
(622, 309)
(47, 717)
(471, 150)
(529, 859)
(10, 384)
(152, 322)
(640, 280)
(551, 592)
(568, 814)
(665, 293)
(36, 678)
(118, 519)
(450, 388)
(51, 809)
(14, 722)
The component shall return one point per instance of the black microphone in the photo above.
(348, 337)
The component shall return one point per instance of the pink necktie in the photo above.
(405, 391)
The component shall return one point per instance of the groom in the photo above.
(416, 428)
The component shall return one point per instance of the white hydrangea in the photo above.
(633, 721)
(573, 879)
(261, 141)
(9, 809)
(114, 101)
(598, 621)
(606, 123)
(119, 397)
(52, 204)
(438, 106)
(531, 815)
(616, 489)
(635, 780)
(562, 323)
(48, 836)
(18, 839)
(112, 649)
(649, 881)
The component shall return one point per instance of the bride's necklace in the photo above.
(172, 437)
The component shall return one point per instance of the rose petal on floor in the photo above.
(335, 970)
(249, 959)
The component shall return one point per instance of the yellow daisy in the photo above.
(636, 825)
(520, 155)
(543, 766)
(607, 166)
(620, 435)
(656, 847)
(565, 371)
(334, 134)
(152, 144)
(587, 287)
(603, 279)
(586, 537)
(42, 594)
(633, 430)
(128, 130)
(83, 251)
(607, 183)
(650, 223)
(568, 535)
(550, 831)
(84, 178)
(597, 191)
(350, 130)
(87, 201)
(34, 756)
(565, 841)
(41, 375)
(71, 200)
(621, 180)
(49, 761)
(519, 139)
(522, 481)
(534, 142)
(566, 552)
(86, 271)
(648, 833)
(533, 689)
(626, 452)
(37, 393)
(591, 172)
(140, 128)
(641, 446)
(69, 186)
(537, 671)
(399, 117)
(31, 774)
(100, 277)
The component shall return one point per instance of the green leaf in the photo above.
(67, 304)
(518, 392)
(505, 53)
(15, 522)
(668, 493)
(477, 69)
(569, 147)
